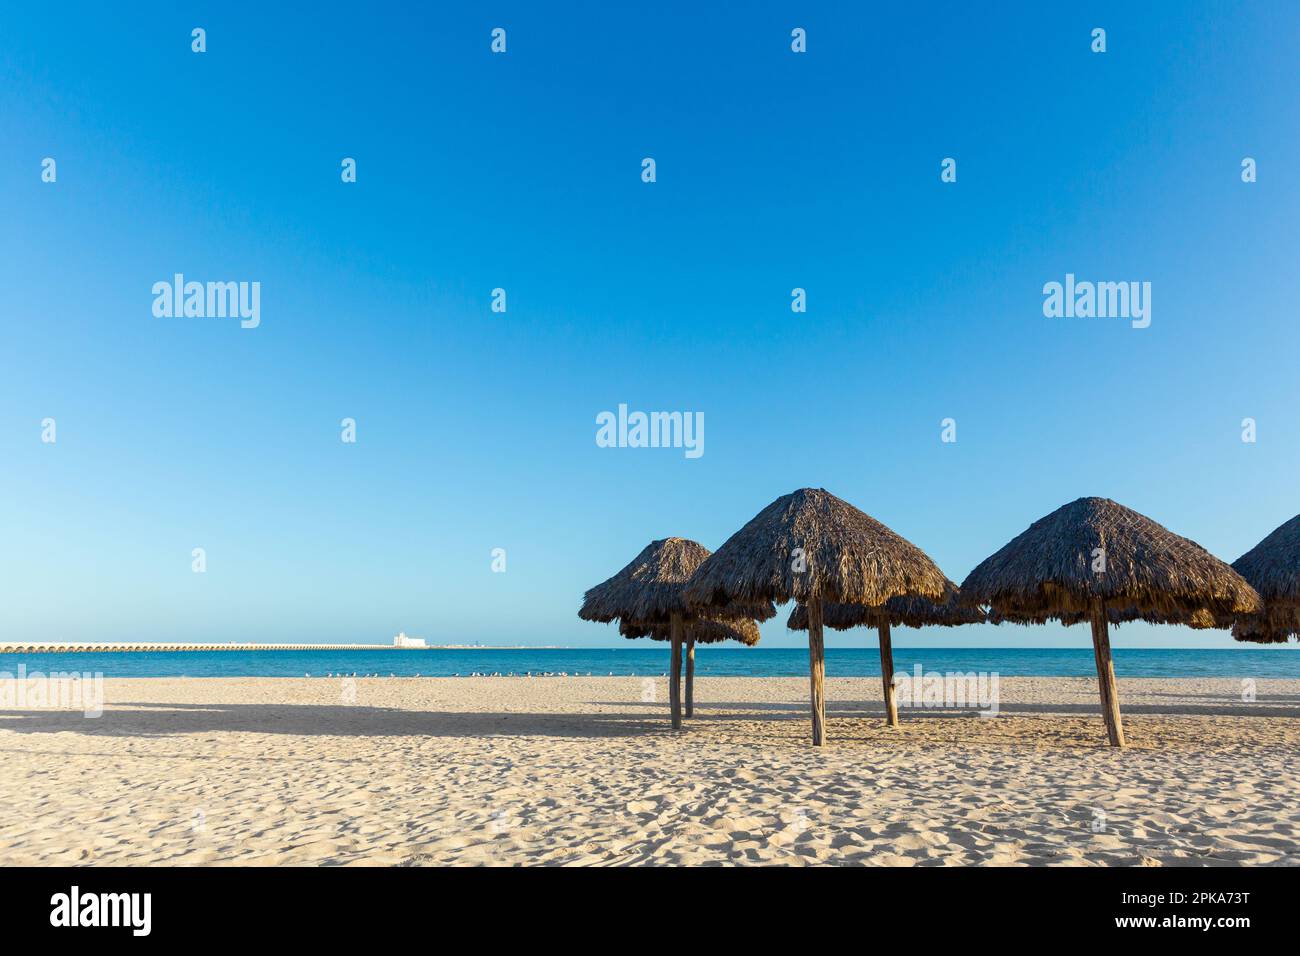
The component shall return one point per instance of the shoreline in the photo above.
(1250, 664)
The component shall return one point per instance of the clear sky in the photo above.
(476, 429)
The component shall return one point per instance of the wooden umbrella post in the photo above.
(887, 675)
(817, 671)
(675, 672)
(1106, 675)
(1101, 681)
(690, 673)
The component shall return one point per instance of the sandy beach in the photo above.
(409, 771)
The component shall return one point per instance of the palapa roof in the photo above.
(907, 611)
(1261, 630)
(701, 630)
(1272, 568)
(1199, 619)
(1151, 573)
(649, 589)
(812, 544)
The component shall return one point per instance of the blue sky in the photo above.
(476, 430)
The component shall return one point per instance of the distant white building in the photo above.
(401, 640)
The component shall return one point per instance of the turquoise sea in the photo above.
(1256, 662)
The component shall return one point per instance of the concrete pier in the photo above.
(62, 647)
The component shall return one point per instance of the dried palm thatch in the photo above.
(815, 548)
(1258, 631)
(1095, 559)
(1199, 619)
(1096, 549)
(811, 544)
(650, 588)
(701, 630)
(1273, 569)
(906, 611)
(647, 595)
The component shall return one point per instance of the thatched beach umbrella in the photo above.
(1272, 568)
(701, 630)
(1098, 560)
(648, 592)
(904, 611)
(814, 548)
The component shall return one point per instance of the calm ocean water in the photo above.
(650, 661)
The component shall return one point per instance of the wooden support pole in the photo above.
(690, 673)
(887, 675)
(675, 672)
(1106, 675)
(1101, 682)
(817, 671)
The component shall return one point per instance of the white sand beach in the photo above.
(583, 771)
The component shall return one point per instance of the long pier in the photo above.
(62, 647)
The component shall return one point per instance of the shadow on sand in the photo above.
(148, 720)
(126, 719)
